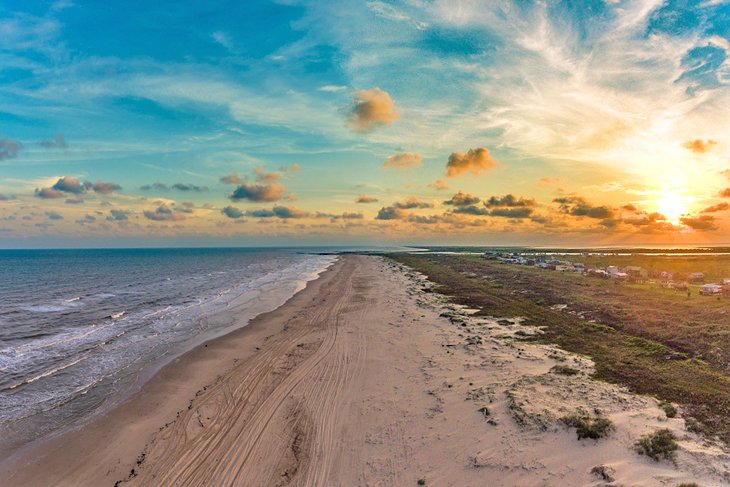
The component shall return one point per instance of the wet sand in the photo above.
(359, 380)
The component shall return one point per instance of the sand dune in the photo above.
(360, 380)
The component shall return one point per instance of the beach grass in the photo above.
(653, 341)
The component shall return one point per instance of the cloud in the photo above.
(49, 193)
(185, 207)
(332, 88)
(86, 219)
(223, 39)
(232, 212)
(363, 198)
(462, 199)
(629, 207)
(701, 222)
(189, 187)
(522, 212)
(390, 213)
(718, 207)
(645, 219)
(471, 210)
(439, 185)
(9, 148)
(57, 142)
(548, 181)
(577, 206)
(404, 160)
(163, 213)
(185, 187)
(155, 186)
(258, 192)
(118, 215)
(410, 203)
(283, 212)
(397, 210)
(725, 193)
(509, 200)
(232, 178)
(52, 215)
(67, 184)
(74, 201)
(699, 146)
(4, 197)
(103, 187)
(475, 161)
(372, 108)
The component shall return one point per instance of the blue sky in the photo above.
(612, 104)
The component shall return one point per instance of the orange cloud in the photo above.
(699, 146)
(258, 192)
(718, 207)
(475, 161)
(462, 199)
(439, 184)
(702, 222)
(373, 108)
(404, 160)
(548, 181)
(363, 198)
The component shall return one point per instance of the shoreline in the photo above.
(144, 388)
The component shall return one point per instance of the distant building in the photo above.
(635, 271)
(711, 289)
(696, 277)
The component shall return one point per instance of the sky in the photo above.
(600, 122)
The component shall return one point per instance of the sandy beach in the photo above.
(367, 378)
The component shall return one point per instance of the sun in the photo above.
(672, 205)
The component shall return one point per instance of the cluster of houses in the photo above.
(632, 274)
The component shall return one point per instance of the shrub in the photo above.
(588, 427)
(657, 445)
(421, 482)
(603, 472)
(668, 408)
(693, 425)
(564, 370)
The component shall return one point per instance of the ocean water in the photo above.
(79, 329)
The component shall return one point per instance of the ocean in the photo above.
(81, 329)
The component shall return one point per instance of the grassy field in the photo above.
(655, 341)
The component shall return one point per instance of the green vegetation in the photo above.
(660, 444)
(668, 408)
(652, 340)
(564, 370)
(421, 482)
(587, 426)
